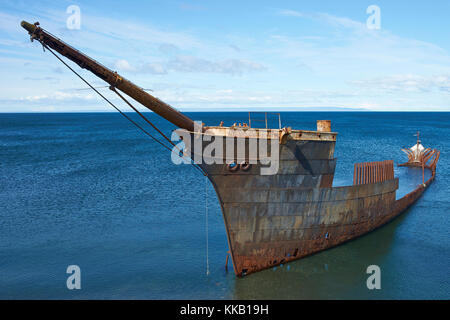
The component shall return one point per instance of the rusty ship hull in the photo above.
(274, 219)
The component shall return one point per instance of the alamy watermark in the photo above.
(73, 22)
(374, 280)
(74, 280)
(374, 20)
(238, 147)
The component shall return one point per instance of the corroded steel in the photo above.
(271, 220)
(373, 172)
(422, 159)
(324, 125)
(279, 218)
(418, 156)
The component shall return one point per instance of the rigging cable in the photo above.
(121, 112)
(112, 88)
(150, 135)
(206, 218)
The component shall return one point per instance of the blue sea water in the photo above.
(88, 189)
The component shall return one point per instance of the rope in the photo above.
(142, 116)
(122, 113)
(112, 88)
(151, 136)
(128, 118)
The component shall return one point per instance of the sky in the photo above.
(205, 55)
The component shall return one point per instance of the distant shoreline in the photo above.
(225, 111)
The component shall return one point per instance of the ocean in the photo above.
(89, 189)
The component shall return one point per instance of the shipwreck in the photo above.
(271, 219)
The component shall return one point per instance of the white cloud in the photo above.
(192, 64)
(341, 21)
(291, 13)
(168, 48)
(57, 96)
(230, 66)
(124, 65)
(342, 65)
(155, 68)
(405, 83)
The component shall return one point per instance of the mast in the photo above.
(113, 78)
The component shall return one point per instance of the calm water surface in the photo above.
(91, 190)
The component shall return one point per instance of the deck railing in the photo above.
(373, 172)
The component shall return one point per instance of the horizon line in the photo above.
(236, 111)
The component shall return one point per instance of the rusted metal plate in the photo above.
(373, 172)
(276, 219)
(302, 221)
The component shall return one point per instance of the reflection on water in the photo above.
(409, 179)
